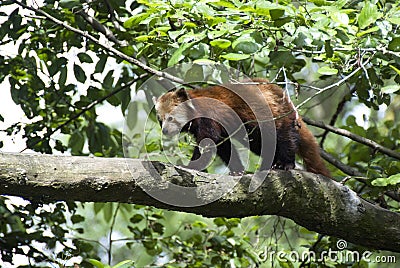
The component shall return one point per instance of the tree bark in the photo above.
(313, 201)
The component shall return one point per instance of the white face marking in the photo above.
(173, 117)
(173, 122)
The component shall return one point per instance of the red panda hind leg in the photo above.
(287, 143)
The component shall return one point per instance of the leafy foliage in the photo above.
(60, 78)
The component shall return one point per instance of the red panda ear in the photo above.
(182, 94)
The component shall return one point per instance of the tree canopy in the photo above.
(63, 61)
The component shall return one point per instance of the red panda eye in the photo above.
(169, 118)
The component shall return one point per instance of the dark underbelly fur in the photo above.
(287, 142)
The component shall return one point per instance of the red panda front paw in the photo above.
(236, 173)
(283, 166)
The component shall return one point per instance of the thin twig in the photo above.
(110, 241)
(377, 49)
(338, 83)
(335, 116)
(100, 27)
(338, 164)
(112, 15)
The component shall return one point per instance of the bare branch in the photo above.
(112, 15)
(100, 27)
(337, 163)
(382, 49)
(370, 143)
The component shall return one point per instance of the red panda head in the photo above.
(173, 111)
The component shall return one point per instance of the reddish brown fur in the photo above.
(292, 134)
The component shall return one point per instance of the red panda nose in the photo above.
(165, 131)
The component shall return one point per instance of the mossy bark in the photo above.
(313, 201)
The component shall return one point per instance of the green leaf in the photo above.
(76, 142)
(394, 68)
(276, 13)
(391, 180)
(235, 56)
(97, 263)
(149, 244)
(108, 211)
(221, 43)
(394, 179)
(158, 228)
(178, 54)
(282, 58)
(390, 89)
(394, 45)
(195, 74)
(63, 76)
(97, 207)
(124, 264)
(220, 221)
(368, 15)
(77, 218)
(57, 65)
(328, 49)
(199, 224)
(380, 182)
(101, 64)
(83, 57)
(136, 218)
(370, 30)
(326, 70)
(132, 116)
(394, 20)
(79, 73)
(340, 17)
(69, 3)
(245, 45)
(144, 38)
(189, 24)
(135, 20)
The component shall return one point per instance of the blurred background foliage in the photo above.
(339, 60)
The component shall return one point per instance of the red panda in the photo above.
(176, 112)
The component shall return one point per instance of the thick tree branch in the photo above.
(312, 201)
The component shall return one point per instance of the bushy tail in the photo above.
(309, 150)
